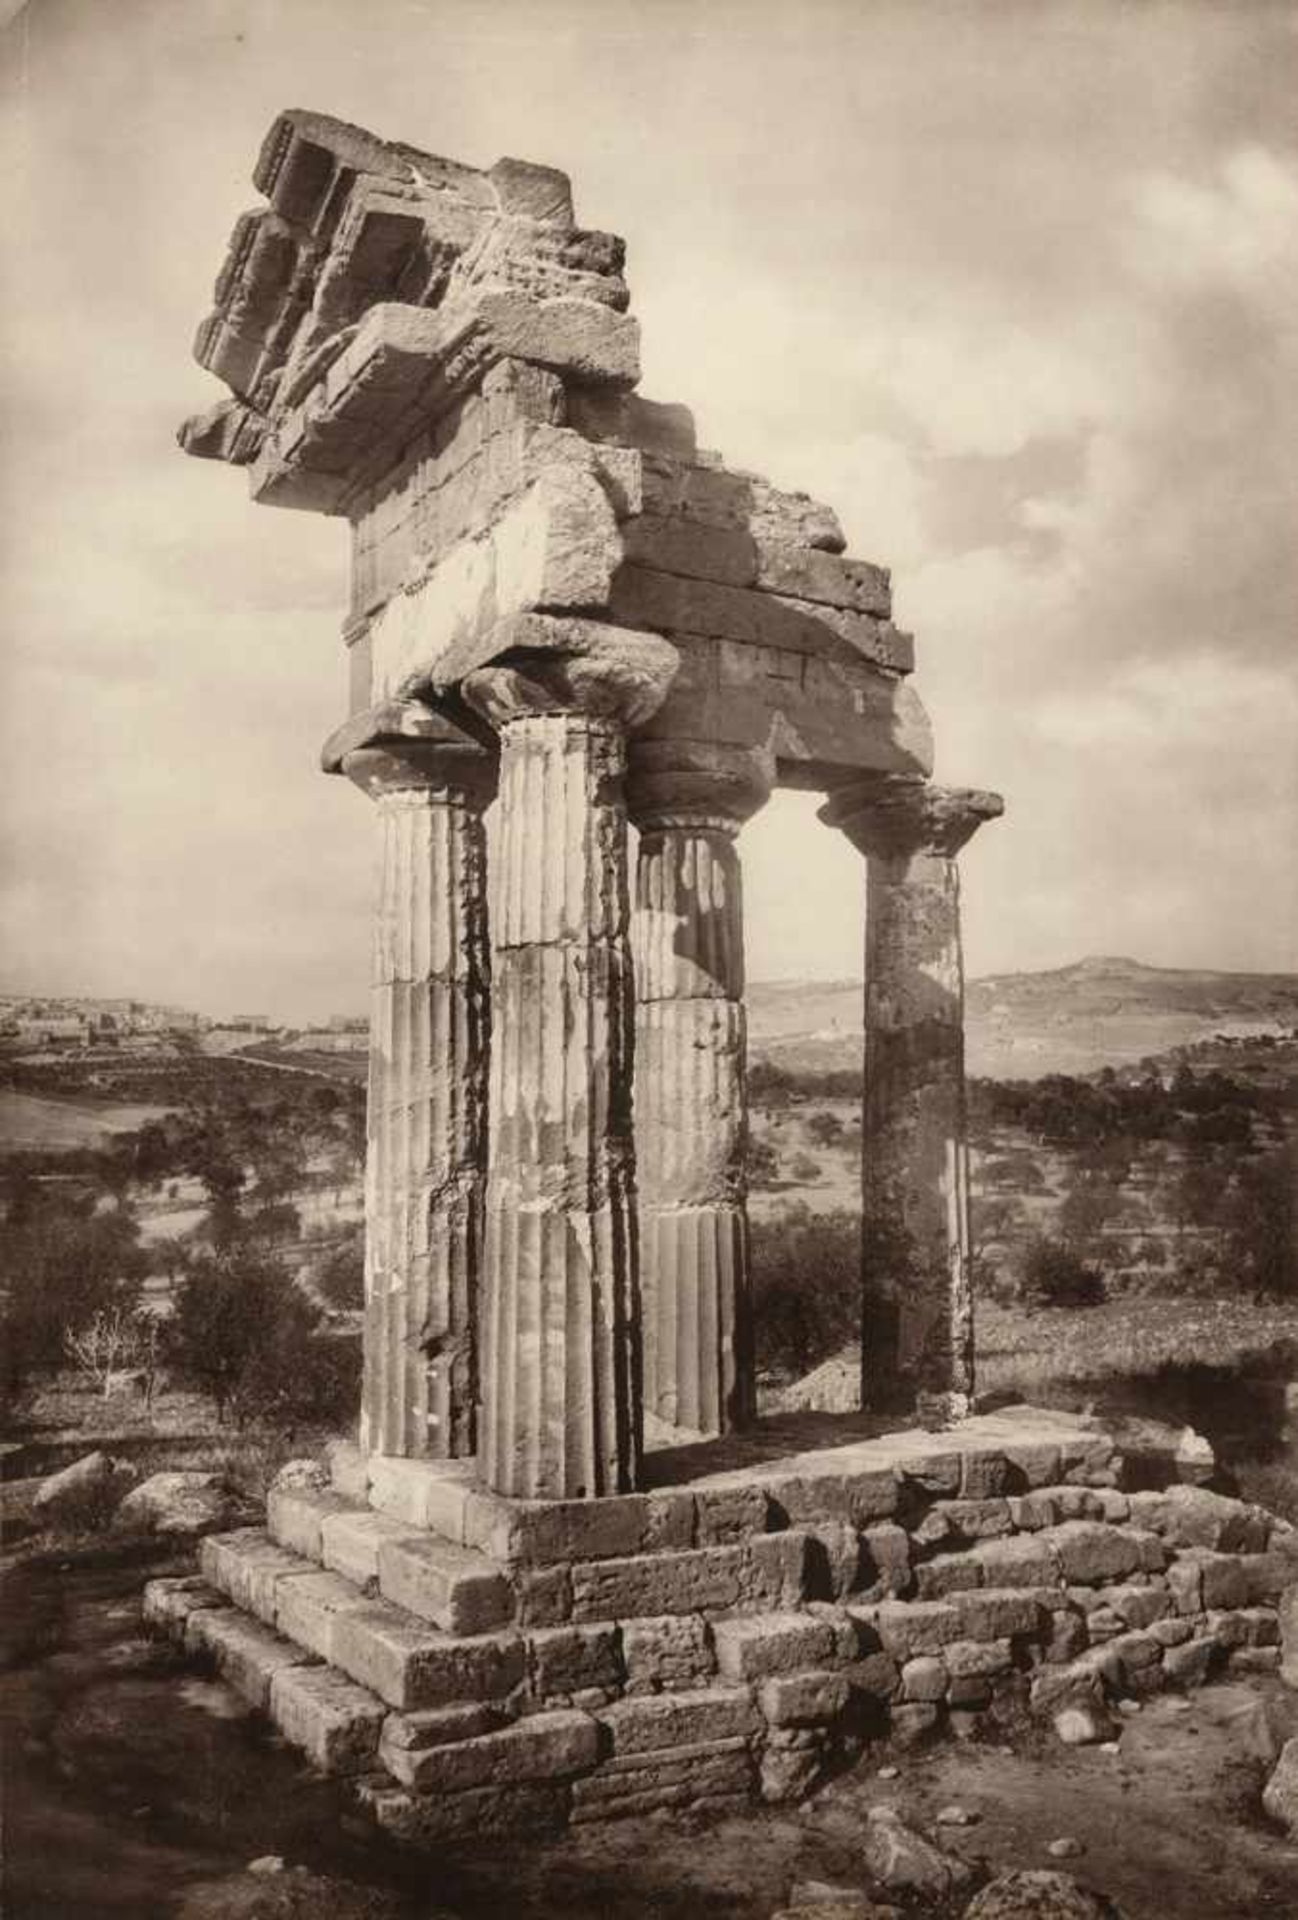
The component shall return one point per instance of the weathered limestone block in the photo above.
(295, 1516)
(668, 1653)
(906, 1628)
(335, 1722)
(425, 1165)
(567, 1660)
(544, 1746)
(1197, 1517)
(1017, 1562)
(918, 1305)
(309, 1606)
(555, 548)
(948, 1573)
(410, 1665)
(432, 1495)
(924, 1677)
(639, 1783)
(168, 1603)
(688, 802)
(560, 1415)
(426, 1819)
(810, 1699)
(350, 1543)
(999, 1614)
(248, 1567)
(457, 1589)
(247, 1654)
(663, 1721)
(1280, 1795)
(768, 1572)
(554, 1532)
(750, 1647)
(1088, 1552)
(441, 1726)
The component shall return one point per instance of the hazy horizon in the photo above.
(1011, 287)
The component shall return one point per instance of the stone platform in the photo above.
(481, 1664)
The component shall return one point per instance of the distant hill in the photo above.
(1101, 1011)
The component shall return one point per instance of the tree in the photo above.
(62, 1262)
(246, 1335)
(761, 1162)
(340, 1279)
(1053, 1276)
(1261, 1224)
(825, 1128)
(110, 1342)
(804, 1169)
(806, 1287)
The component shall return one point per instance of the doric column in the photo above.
(691, 1116)
(561, 1413)
(427, 1123)
(917, 1344)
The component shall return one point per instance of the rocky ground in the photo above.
(138, 1786)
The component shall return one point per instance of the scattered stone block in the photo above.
(88, 1489)
(914, 1720)
(335, 1722)
(904, 1862)
(1189, 1665)
(181, 1503)
(1039, 1895)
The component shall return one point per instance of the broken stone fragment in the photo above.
(1039, 1894)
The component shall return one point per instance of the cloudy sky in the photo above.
(1014, 286)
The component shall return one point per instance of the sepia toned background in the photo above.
(1013, 287)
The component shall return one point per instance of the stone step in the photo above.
(247, 1566)
(410, 1664)
(247, 1654)
(455, 1588)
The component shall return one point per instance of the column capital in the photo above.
(898, 814)
(546, 664)
(692, 784)
(405, 745)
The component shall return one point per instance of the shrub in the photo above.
(340, 1279)
(825, 1129)
(246, 1335)
(804, 1169)
(1054, 1276)
(806, 1288)
(762, 1162)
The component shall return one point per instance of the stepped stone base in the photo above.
(483, 1665)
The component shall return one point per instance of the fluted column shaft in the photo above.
(561, 1412)
(427, 1124)
(917, 1306)
(691, 1106)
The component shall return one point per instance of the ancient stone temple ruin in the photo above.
(506, 1609)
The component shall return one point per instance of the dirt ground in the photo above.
(137, 1786)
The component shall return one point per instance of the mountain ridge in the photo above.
(1103, 1009)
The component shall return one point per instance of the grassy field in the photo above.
(30, 1120)
(1032, 1348)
